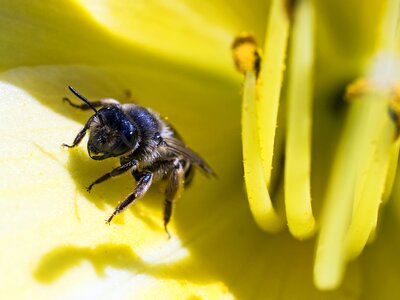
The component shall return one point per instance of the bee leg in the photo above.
(79, 136)
(173, 191)
(115, 172)
(141, 188)
(101, 102)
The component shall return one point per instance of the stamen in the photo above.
(336, 215)
(259, 118)
(257, 192)
(369, 189)
(360, 170)
(376, 179)
(271, 77)
(247, 61)
(369, 144)
(298, 138)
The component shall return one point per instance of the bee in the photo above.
(147, 146)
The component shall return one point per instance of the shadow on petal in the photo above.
(58, 261)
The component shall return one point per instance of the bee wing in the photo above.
(178, 147)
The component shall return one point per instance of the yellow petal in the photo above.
(53, 238)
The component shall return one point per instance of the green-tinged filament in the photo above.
(257, 192)
(355, 189)
(298, 135)
(369, 188)
(330, 255)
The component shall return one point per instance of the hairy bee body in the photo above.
(146, 145)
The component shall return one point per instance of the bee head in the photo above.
(111, 134)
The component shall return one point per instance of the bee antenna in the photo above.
(82, 98)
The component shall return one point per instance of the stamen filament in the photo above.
(330, 255)
(298, 137)
(271, 76)
(370, 185)
(257, 192)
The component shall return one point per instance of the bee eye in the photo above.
(127, 138)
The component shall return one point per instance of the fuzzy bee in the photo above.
(146, 144)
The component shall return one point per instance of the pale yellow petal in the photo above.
(196, 33)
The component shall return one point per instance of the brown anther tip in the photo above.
(244, 38)
(246, 54)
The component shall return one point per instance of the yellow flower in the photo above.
(174, 57)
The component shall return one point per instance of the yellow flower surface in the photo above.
(173, 56)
